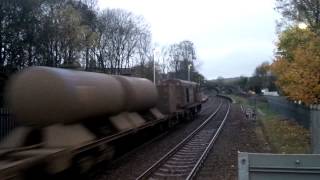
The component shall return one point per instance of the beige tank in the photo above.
(40, 96)
(141, 94)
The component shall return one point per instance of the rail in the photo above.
(182, 144)
(226, 97)
(206, 152)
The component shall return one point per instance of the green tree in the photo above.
(42, 32)
(242, 82)
(264, 76)
(290, 39)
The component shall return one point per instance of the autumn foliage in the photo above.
(297, 65)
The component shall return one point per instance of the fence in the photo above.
(307, 116)
(6, 122)
(300, 113)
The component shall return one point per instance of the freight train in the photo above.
(72, 118)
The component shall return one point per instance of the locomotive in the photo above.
(69, 117)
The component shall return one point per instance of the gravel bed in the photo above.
(237, 135)
(215, 122)
(137, 162)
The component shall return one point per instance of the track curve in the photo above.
(184, 160)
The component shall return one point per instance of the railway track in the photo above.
(185, 159)
(207, 109)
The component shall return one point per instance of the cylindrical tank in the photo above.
(40, 96)
(141, 94)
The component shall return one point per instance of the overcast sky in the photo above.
(231, 37)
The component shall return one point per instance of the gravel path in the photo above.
(237, 135)
(135, 163)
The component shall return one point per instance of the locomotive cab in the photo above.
(178, 96)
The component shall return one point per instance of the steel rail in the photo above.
(157, 164)
(204, 155)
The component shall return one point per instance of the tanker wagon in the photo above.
(71, 118)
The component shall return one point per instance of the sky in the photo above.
(231, 37)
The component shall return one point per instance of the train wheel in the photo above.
(83, 164)
(189, 115)
(170, 124)
(106, 152)
(162, 127)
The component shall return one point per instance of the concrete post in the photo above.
(315, 130)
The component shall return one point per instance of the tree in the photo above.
(122, 36)
(307, 11)
(145, 53)
(64, 33)
(298, 75)
(182, 57)
(43, 32)
(164, 59)
(289, 39)
(242, 82)
(264, 76)
(197, 77)
(74, 34)
(19, 21)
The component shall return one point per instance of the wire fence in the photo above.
(298, 112)
(306, 116)
(6, 122)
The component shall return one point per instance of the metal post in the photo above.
(154, 70)
(315, 130)
(255, 106)
(189, 66)
(155, 52)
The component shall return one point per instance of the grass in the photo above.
(283, 136)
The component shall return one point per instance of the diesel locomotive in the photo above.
(69, 117)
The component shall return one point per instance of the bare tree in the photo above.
(307, 11)
(66, 32)
(182, 57)
(122, 36)
(145, 53)
(164, 60)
